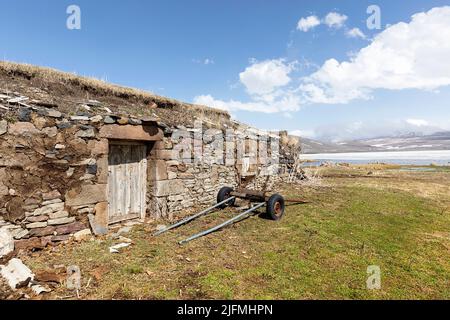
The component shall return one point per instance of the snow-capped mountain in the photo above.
(403, 142)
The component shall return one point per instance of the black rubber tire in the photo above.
(275, 207)
(224, 194)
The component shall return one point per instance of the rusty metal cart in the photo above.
(275, 207)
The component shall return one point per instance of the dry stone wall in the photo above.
(54, 168)
(182, 183)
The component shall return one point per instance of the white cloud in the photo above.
(410, 55)
(308, 23)
(267, 84)
(356, 33)
(264, 77)
(287, 102)
(206, 61)
(335, 20)
(303, 133)
(404, 56)
(417, 122)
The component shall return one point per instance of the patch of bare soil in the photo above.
(6, 293)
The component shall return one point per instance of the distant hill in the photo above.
(404, 142)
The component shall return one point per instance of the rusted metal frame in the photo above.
(195, 216)
(222, 225)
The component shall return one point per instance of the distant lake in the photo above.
(440, 157)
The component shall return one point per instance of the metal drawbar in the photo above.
(189, 219)
(220, 226)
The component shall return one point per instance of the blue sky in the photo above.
(252, 58)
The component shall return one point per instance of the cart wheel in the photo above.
(224, 194)
(275, 207)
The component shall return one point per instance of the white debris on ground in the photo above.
(160, 227)
(16, 273)
(125, 230)
(38, 289)
(116, 248)
(6, 242)
(82, 235)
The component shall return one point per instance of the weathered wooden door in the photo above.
(127, 181)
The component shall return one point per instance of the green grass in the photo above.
(320, 250)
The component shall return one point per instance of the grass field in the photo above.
(357, 217)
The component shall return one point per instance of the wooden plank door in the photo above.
(127, 182)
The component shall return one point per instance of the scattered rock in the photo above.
(48, 276)
(6, 242)
(82, 235)
(16, 273)
(31, 244)
(124, 230)
(20, 233)
(38, 289)
(117, 247)
(124, 239)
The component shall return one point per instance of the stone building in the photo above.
(77, 153)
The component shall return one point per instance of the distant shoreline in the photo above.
(422, 154)
(396, 157)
